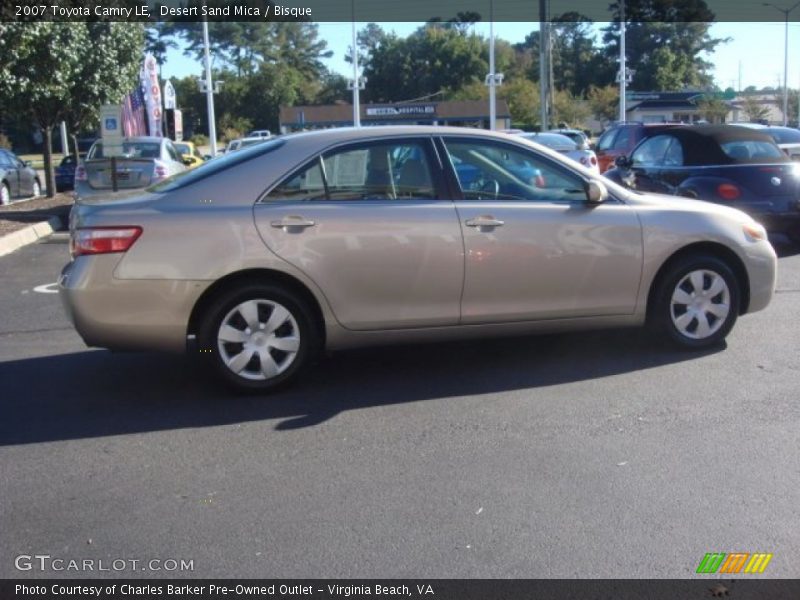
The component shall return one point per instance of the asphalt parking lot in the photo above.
(605, 454)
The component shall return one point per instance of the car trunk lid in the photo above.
(130, 173)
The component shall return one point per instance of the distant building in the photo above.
(468, 113)
(664, 107)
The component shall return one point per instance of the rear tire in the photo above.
(258, 337)
(697, 301)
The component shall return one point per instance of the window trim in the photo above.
(459, 195)
(425, 141)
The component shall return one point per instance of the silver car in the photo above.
(341, 238)
(144, 161)
(567, 146)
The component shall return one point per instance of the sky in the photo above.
(756, 50)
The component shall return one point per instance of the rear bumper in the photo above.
(126, 314)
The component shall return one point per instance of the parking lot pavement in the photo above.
(588, 455)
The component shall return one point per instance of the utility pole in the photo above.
(212, 125)
(492, 91)
(544, 61)
(785, 12)
(623, 69)
(356, 82)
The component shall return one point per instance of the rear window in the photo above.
(216, 165)
(750, 150)
(785, 136)
(129, 150)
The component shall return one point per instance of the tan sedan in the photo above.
(381, 235)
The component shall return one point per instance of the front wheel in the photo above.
(697, 301)
(258, 337)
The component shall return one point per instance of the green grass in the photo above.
(37, 160)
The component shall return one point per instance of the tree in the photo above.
(37, 81)
(435, 58)
(754, 110)
(604, 102)
(664, 41)
(108, 70)
(569, 109)
(712, 108)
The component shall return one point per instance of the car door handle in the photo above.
(292, 222)
(485, 221)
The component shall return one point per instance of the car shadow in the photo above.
(99, 393)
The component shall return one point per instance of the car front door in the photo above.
(370, 224)
(535, 249)
(647, 164)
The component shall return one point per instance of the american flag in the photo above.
(133, 117)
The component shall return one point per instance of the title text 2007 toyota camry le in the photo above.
(382, 235)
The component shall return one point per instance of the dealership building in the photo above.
(463, 113)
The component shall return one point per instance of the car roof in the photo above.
(701, 143)
(552, 139)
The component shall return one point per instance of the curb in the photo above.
(28, 235)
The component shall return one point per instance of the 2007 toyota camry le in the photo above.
(380, 235)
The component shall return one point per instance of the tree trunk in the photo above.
(74, 137)
(49, 174)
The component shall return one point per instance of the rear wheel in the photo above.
(258, 337)
(697, 301)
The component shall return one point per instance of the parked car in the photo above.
(17, 178)
(144, 161)
(65, 173)
(262, 133)
(787, 138)
(737, 166)
(566, 146)
(576, 135)
(189, 154)
(354, 237)
(621, 138)
(240, 143)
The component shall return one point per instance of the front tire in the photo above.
(697, 301)
(258, 337)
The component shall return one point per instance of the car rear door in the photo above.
(534, 248)
(371, 225)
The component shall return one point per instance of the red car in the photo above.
(621, 138)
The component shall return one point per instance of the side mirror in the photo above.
(187, 160)
(623, 162)
(596, 192)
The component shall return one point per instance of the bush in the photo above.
(199, 140)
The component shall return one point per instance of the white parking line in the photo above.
(47, 288)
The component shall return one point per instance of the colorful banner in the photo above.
(152, 95)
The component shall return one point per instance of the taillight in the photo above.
(103, 240)
(728, 191)
(160, 171)
(80, 173)
(593, 160)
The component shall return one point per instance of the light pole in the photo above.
(623, 68)
(785, 12)
(209, 87)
